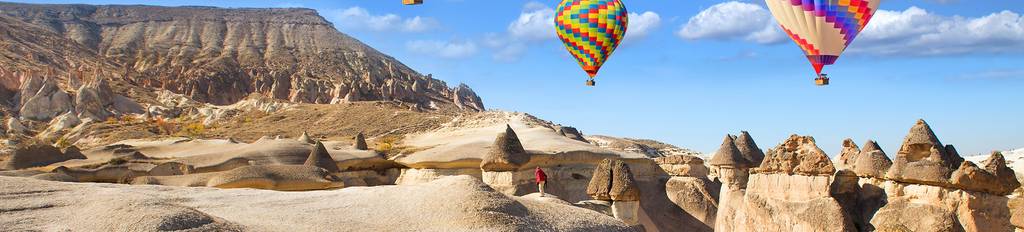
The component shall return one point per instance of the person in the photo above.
(541, 178)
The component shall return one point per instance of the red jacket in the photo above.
(541, 176)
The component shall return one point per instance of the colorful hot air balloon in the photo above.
(823, 28)
(591, 30)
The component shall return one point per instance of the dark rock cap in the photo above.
(872, 161)
(319, 157)
(360, 142)
(748, 148)
(728, 155)
(506, 154)
(612, 180)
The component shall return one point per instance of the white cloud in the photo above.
(443, 49)
(917, 32)
(536, 22)
(733, 20)
(640, 25)
(357, 18)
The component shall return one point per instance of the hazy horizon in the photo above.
(690, 72)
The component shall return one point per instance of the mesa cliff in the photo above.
(220, 56)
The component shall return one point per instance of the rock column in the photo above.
(733, 171)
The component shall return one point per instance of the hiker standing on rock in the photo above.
(541, 178)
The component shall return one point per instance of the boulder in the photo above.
(728, 155)
(748, 148)
(848, 156)
(797, 155)
(506, 154)
(320, 158)
(995, 178)
(903, 215)
(360, 142)
(922, 159)
(36, 155)
(872, 162)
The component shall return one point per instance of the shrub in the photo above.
(194, 129)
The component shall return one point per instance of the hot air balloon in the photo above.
(591, 30)
(412, 2)
(823, 28)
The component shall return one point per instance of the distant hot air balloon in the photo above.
(591, 30)
(823, 28)
(412, 2)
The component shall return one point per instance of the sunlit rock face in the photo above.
(220, 56)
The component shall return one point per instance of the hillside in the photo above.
(220, 56)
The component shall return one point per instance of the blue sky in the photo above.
(691, 71)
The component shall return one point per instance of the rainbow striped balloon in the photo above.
(591, 30)
(823, 28)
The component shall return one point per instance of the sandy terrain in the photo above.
(459, 203)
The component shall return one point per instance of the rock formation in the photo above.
(797, 155)
(922, 159)
(320, 158)
(790, 191)
(291, 54)
(848, 156)
(613, 181)
(41, 99)
(276, 177)
(359, 142)
(733, 171)
(748, 148)
(872, 162)
(689, 187)
(570, 132)
(506, 154)
(36, 155)
(995, 177)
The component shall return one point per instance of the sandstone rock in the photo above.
(1016, 206)
(698, 197)
(55, 177)
(902, 215)
(14, 126)
(797, 155)
(72, 152)
(683, 165)
(749, 150)
(601, 181)
(42, 100)
(506, 154)
(995, 178)
(729, 156)
(35, 155)
(276, 177)
(624, 187)
(872, 162)
(320, 158)
(305, 138)
(923, 159)
(848, 156)
(360, 142)
(612, 180)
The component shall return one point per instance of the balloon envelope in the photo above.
(823, 28)
(591, 30)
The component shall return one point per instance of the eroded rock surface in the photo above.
(923, 159)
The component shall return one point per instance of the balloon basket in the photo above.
(591, 83)
(821, 81)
